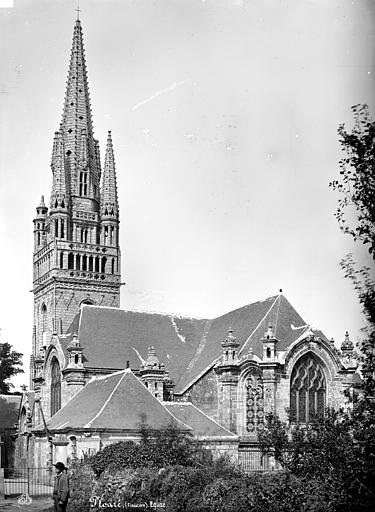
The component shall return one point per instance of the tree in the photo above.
(10, 360)
(357, 186)
(338, 448)
(335, 450)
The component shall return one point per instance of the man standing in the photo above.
(60, 488)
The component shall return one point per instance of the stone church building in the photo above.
(98, 372)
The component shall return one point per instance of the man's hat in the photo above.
(59, 465)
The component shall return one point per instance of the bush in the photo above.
(216, 488)
(82, 483)
(326, 464)
(165, 447)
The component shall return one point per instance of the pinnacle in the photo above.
(109, 202)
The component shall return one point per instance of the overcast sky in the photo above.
(224, 118)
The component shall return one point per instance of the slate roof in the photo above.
(201, 424)
(9, 410)
(111, 337)
(119, 401)
(188, 347)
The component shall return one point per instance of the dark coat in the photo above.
(61, 487)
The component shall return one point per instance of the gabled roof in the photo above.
(110, 337)
(249, 324)
(202, 425)
(118, 401)
(9, 410)
(188, 347)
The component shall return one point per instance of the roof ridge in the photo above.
(150, 312)
(180, 315)
(88, 425)
(102, 377)
(259, 324)
(248, 304)
(126, 372)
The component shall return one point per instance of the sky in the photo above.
(224, 118)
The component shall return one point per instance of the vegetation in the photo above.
(338, 449)
(10, 361)
(165, 447)
(356, 216)
(357, 183)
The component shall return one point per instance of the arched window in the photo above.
(84, 262)
(44, 317)
(78, 262)
(70, 260)
(113, 265)
(307, 389)
(90, 263)
(62, 232)
(254, 402)
(61, 259)
(73, 443)
(22, 438)
(84, 235)
(104, 261)
(55, 386)
(83, 183)
(56, 228)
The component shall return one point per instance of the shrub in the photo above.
(165, 447)
(82, 483)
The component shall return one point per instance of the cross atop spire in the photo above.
(78, 10)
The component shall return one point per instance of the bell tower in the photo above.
(76, 240)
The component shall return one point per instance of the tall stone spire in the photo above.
(76, 126)
(108, 200)
(76, 249)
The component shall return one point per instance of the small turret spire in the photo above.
(60, 194)
(109, 200)
(347, 345)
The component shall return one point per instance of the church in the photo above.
(98, 372)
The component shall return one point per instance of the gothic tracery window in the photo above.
(307, 389)
(55, 386)
(254, 403)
